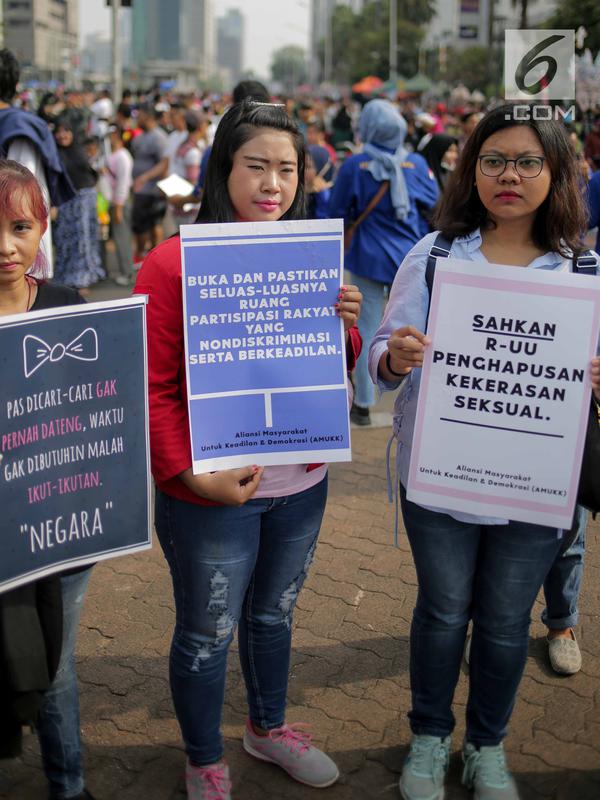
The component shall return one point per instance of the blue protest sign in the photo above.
(265, 350)
(74, 454)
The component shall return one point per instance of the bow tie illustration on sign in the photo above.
(36, 351)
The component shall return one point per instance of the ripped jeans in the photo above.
(234, 566)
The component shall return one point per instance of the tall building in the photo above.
(230, 45)
(43, 36)
(96, 56)
(173, 40)
(465, 23)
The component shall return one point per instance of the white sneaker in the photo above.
(564, 654)
(291, 748)
(208, 783)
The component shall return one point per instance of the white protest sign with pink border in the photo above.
(505, 388)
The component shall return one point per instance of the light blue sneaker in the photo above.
(486, 773)
(425, 768)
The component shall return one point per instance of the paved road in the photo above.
(349, 674)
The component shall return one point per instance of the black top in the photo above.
(78, 167)
(30, 616)
(52, 295)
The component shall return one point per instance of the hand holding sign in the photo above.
(348, 306)
(595, 376)
(232, 487)
(406, 347)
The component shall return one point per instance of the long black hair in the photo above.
(9, 75)
(561, 220)
(238, 126)
(434, 151)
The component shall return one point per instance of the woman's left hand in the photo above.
(348, 306)
(595, 375)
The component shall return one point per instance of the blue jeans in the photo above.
(370, 316)
(490, 574)
(58, 726)
(563, 582)
(234, 565)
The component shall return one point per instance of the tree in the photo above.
(361, 40)
(573, 13)
(288, 66)
(470, 67)
(523, 5)
(343, 27)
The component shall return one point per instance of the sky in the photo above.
(269, 25)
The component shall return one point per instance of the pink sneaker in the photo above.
(290, 748)
(208, 783)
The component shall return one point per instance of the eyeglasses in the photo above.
(526, 166)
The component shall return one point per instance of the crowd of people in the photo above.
(239, 543)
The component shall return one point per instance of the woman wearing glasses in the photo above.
(514, 199)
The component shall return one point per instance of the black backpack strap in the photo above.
(585, 263)
(439, 249)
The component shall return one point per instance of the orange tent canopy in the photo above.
(368, 84)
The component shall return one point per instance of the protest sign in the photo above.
(74, 455)
(505, 392)
(264, 348)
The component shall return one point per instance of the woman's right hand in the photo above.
(232, 487)
(178, 200)
(406, 348)
(595, 374)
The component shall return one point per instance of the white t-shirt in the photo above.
(120, 165)
(189, 159)
(103, 108)
(175, 139)
(102, 111)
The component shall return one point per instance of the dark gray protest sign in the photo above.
(74, 456)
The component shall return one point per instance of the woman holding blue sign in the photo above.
(514, 199)
(38, 621)
(238, 542)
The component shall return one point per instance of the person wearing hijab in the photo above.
(78, 263)
(341, 127)
(441, 152)
(317, 172)
(381, 233)
(49, 108)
